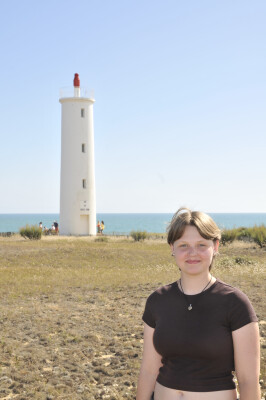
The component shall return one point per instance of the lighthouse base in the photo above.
(85, 225)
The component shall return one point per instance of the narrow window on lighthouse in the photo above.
(82, 113)
(84, 183)
(83, 148)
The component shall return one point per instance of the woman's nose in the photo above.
(192, 250)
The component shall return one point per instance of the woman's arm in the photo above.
(247, 360)
(151, 362)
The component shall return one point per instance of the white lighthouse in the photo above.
(77, 188)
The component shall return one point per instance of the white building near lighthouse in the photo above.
(77, 185)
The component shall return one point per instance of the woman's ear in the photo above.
(172, 249)
(216, 246)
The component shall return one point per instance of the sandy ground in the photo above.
(81, 345)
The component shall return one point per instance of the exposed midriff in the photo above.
(163, 393)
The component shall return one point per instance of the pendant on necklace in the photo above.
(190, 307)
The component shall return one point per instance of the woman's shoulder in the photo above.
(227, 289)
(163, 291)
(157, 301)
(239, 308)
(233, 294)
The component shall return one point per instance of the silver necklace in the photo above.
(190, 305)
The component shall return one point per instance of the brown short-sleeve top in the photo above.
(197, 346)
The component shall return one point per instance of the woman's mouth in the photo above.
(193, 261)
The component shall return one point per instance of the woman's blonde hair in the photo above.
(205, 225)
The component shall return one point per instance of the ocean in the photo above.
(119, 224)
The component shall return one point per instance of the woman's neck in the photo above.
(195, 284)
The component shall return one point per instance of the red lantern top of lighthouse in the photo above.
(76, 80)
(84, 93)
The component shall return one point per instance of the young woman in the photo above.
(199, 329)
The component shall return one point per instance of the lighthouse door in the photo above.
(84, 224)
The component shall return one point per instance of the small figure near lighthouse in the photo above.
(77, 185)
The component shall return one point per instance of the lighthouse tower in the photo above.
(77, 189)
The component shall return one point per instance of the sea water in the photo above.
(124, 223)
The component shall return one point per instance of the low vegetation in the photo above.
(32, 232)
(138, 235)
(255, 234)
(70, 311)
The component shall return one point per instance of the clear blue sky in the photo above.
(180, 111)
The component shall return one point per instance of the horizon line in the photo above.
(136, 212)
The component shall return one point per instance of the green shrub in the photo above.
(138, 235)
(244, 234)
(258, 234)
(229, 235)
(32, 232)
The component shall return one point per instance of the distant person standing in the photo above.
(56, 227)
(102, 227)
(40, 225)
(98, 227)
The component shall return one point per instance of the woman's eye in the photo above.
(202, 245)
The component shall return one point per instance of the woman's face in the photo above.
(193, 253)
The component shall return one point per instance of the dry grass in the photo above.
(70, 311)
